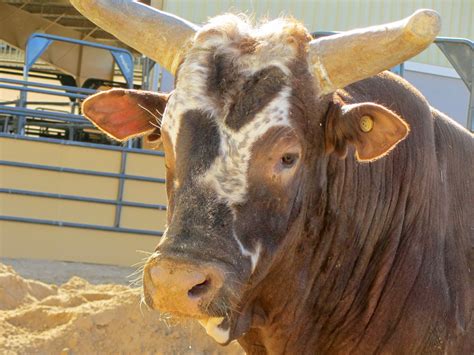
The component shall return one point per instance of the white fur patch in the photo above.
(190, 95)
(212, 329)
(254, 256)
(228, 173)
(222, 35)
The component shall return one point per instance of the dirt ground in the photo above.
(79, 317)
(59, 272)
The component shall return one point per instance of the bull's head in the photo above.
(254, 112)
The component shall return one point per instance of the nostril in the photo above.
(200, 289)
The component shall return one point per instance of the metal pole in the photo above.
(118, 209)
(20, 124)
(470, 111)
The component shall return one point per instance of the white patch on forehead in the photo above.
(274, 45)
(228, 173)
(190, 94)
(223, 35)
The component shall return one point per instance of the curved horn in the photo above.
(345, 58)
(157, 34)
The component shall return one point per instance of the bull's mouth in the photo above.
(222, 324)
(226, 329)
(217, 329)
(223, 329)
(204, 293)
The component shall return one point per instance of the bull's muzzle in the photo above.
(181, 288)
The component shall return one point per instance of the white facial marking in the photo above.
(228, 173)
(245, 252)
(222, 35)
(212, 328)
(191, 95)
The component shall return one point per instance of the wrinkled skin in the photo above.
(304, 248)
(200, 224)
(343, 244)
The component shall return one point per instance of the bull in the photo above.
(316, 204)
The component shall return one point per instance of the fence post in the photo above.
(118, 208)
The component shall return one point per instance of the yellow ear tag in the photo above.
(366, 124)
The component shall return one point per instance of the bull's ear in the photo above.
(373, 129)
(123, 114)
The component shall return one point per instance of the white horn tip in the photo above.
(424, 25)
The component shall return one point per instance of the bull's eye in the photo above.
(289, 159)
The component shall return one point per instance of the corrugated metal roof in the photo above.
(339, 15)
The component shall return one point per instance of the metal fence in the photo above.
(31, 177)
(10, 54)
(118, 203)
(21, 113)
(72, 121)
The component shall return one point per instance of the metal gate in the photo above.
(73, 200)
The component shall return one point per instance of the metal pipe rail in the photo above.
(81, 198)
(49, 86)
(118, 202)
(20, 111)
(83, 144)
(37, 44)
(52, 115)
(25, 88)
(80, 171)
(80, 225)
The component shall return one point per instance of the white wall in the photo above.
(443, 88)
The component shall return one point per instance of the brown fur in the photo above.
(381, 254)
(356, 258)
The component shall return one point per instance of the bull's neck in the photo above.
(331, 281)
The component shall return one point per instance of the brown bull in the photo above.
(313, 207)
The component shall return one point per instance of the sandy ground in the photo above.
(79, 317)
(58, 272)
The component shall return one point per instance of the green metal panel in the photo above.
(339, 15)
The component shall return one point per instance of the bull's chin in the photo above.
(224, 330)
(217, 328)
